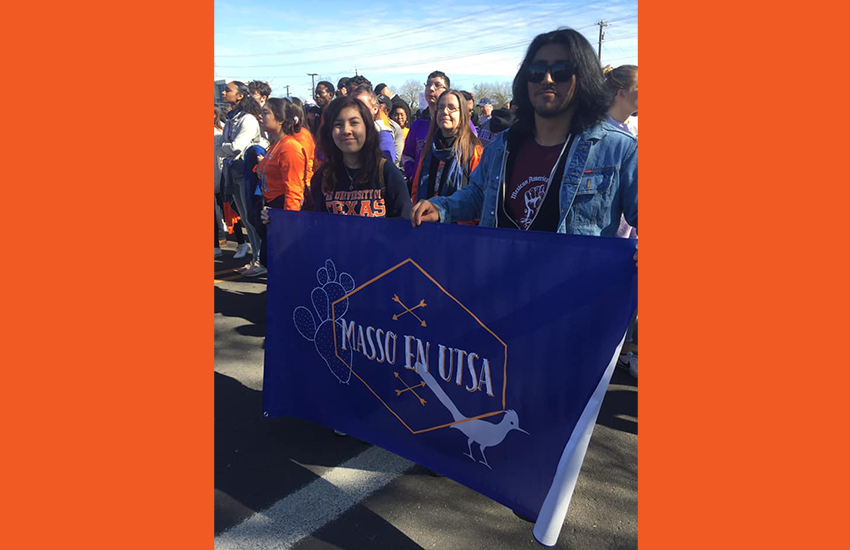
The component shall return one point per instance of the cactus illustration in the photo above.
(334, 286)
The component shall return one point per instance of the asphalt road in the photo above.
(289, 484)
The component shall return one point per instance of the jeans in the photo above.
(244, 204)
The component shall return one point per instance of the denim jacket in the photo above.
(599, 184)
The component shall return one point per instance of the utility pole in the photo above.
(287, 90)
(602, 24)
(313, 85)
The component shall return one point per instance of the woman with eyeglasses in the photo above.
(451, 150)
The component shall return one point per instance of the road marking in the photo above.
(231, 278)
(307, 510)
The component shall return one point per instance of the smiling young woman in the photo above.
(354, 178)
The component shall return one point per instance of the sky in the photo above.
(392, 42)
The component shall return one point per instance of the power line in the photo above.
(447, 22)
(410, 47)
(621, 19)
(608, 41)
(624, 57)
(422, 60)
(414, 30)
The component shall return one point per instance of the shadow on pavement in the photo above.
(362, 529)
(250, 306)
(619, 403)
(259, 460)
(255, 330)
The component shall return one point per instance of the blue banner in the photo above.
(474, 352)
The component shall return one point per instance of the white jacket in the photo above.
(218, 162)
(398, 136)
(240, 132)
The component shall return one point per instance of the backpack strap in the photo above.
(381, 175)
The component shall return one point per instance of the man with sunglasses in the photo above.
(560, 167)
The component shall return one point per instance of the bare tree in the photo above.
(498, 92)
(481, 90)
(409, 92)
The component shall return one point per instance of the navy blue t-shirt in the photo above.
(393, 201)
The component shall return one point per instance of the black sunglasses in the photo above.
(561, 71)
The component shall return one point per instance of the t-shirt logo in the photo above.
(533, 189)
(366, 202)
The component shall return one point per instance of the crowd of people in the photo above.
(561, 156)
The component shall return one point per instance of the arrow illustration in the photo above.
(408, 388)
(409, 309)
(419, 385)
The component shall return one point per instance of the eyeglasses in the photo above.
(561, 72)
(435, 85)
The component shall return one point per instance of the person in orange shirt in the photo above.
(305, 137)
(283, 170)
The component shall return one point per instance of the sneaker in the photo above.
(218, 252)
(624, 360)
(245, 267)
(633, 365)
(241, 251)
(254, 271)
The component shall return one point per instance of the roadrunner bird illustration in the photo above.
(486, 434)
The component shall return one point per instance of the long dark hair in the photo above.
(251, 106)
(285, 112)
(217, 119)
(297, 119)
(591, 98)
(370, 154)
(313, 124)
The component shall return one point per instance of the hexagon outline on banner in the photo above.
(447, 293)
